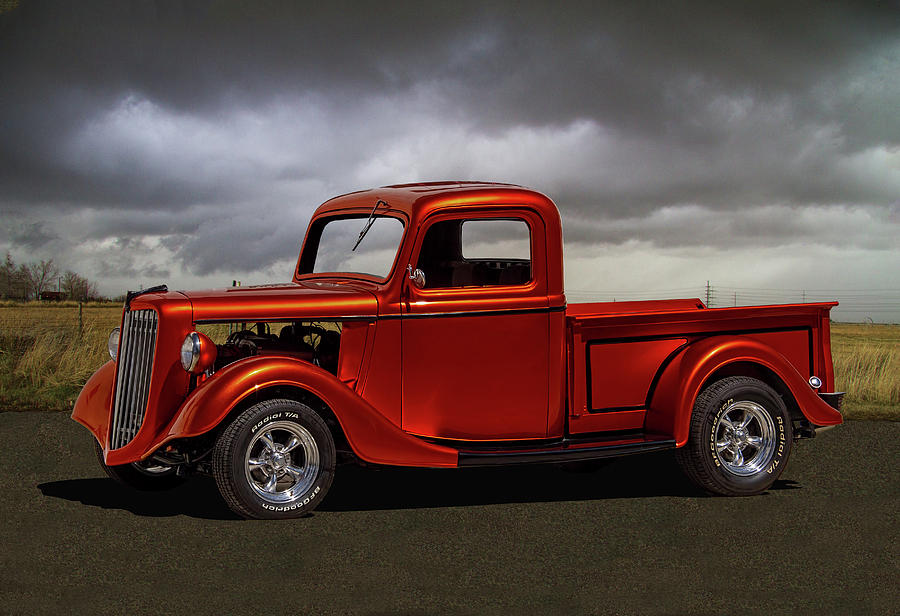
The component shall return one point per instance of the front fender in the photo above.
(680, 383)
(372, 437)
(92, 406)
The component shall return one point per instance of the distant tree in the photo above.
(13, 283)
(72, 285)
(77, 287)
(24, 287)
(7, 277)
(28, 280)
(38, 276)
(93, 294)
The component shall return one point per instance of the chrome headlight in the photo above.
(112, 345)
(198, 353)
(190, 351)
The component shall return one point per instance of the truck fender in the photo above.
(372, 437)
(92, 406)
(681, 381)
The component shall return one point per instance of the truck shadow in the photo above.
(366, 489)
(644, 476)
(389, 488)
(197, 498)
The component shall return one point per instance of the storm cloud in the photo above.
(195, 138)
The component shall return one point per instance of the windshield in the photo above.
(329, 247)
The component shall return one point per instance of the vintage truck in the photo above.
(426, 325)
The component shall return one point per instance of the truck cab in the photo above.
(427, 325)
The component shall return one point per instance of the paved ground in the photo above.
(630, 538)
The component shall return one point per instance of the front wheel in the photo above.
(740, 438)
(275, 460)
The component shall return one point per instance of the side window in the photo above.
(476, 253)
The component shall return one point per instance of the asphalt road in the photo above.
(631, 538)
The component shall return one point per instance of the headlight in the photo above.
(190, 351)
(112, 345)
(198, 353)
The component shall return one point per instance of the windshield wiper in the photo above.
(369, 222)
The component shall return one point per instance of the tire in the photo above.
(144, 476)
(274, 461)
(740, 438)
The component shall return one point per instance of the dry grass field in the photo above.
(867, 366)
(47, 352)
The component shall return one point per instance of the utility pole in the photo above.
(707, 293)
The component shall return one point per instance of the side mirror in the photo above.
(417, 276)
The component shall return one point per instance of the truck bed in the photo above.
(616, 351)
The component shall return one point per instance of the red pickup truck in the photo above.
(426, 325)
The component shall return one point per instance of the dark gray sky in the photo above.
(187, 142)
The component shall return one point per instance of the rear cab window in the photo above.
(476, 252)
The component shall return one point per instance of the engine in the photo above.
(310, 342)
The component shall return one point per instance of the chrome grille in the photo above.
(135, 363)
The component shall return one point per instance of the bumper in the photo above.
(806, 429)
(834, 400)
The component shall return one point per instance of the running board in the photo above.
(564, 452)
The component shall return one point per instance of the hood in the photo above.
(307, 300)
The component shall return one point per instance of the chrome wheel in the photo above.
(745, 438)
(282, 462)
(275, 460)
(739, 437)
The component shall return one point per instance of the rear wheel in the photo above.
(275, 460)
(141, 475)
(740, 438)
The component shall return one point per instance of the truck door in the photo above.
(475, 336)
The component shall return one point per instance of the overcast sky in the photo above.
(189, 142)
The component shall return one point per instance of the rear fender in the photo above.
(372, 437)
(681, 382)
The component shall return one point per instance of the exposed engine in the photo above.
(310, 342)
